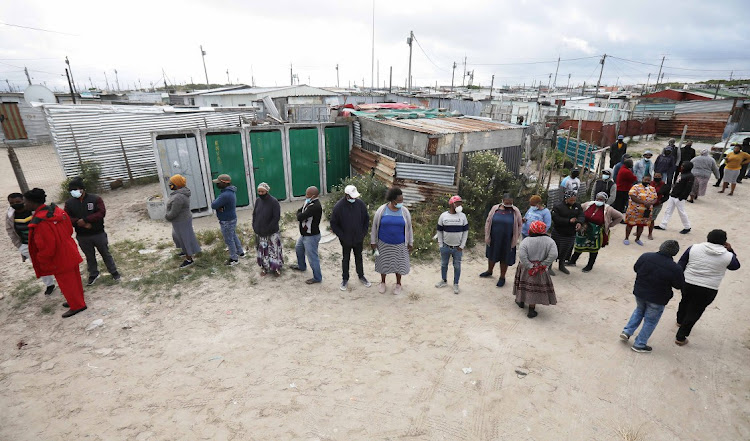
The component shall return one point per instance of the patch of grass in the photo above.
(289, 243)
(25, 291)
(630, 434)
(208, 237)
(146, 180)
(48, 309)
(414, 296)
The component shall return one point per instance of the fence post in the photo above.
(17, 170)
(78, 152)
(127, 163)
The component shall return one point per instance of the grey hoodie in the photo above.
(178, 206)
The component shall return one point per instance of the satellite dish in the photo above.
(38, 94)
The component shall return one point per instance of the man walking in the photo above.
(309, 227)
(350, 222)
(225, 206)
(677, 198)
(705, 265)
(52, 249)
(666, 163)
(17, 226)
(656, 275)
(87, 213)
(452, 233)
(617, 150)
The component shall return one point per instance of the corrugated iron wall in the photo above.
(37, 131)
(436, 174)
(94, 133)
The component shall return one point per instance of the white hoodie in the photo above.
(707, 264)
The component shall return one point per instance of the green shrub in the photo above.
(372, 192)
(90, 172)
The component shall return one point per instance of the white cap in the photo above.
(351, 191)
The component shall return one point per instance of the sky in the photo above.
(518, 42)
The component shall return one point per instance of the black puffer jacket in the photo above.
(684, 185)
(562, 213)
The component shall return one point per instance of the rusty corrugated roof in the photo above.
(443, 126)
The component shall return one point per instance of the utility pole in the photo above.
(730, 75)
(205, 71)
(27, 75)
(548, 82)
(72, 81)
(409, 42)
(453, 75)
(492, 85)
(291, 74)
(106, 81)
(117, 80)
(70, 85)
(717, 90)
(377, 83)
(658, 76)
(567, 88)
(464, 77)
(601, 71)
(372, 61)
(648, 80)
(390, 81)
(337, 75)
(583, 89)
(229, 80)
(140, 85)
(554, 84)
(10, 89)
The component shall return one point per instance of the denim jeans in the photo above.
(229, 231)
(445, 255)
(308, 246)
(649, 313)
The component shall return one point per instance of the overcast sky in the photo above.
(260, 39)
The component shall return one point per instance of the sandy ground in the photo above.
(280, 360)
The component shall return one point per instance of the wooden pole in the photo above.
(78, 152)
(127, 163)
(17, 170)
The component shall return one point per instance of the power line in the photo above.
(38, 29)
(533, 62)
(428, 57)
(674, 67)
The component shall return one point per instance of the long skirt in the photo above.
(392, 258)
(564, 245)
(270, 254)
(730, 176)
(533, 290)
(699, 186)
(591, 240)
(184, 237)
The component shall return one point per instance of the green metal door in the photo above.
(225, 156)
(268, 161)
(337, 155)
(303, 152)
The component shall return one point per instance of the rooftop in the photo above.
(444, 126)
(298, 90)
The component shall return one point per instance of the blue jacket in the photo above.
(226, 204)
(534, 214)
(656, 275)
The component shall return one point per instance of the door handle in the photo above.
(256, 168)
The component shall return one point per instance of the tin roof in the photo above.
(442, 126)
(297, 90)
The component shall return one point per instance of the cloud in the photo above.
(578, 44)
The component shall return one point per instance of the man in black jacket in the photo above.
(350, 222)
(617, 150)
(309, 227)
(567, 218)
(87, 213)
(680, 193)
(656, 275)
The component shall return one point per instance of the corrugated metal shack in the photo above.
(705, 119)
(107, 135)
(22, 124)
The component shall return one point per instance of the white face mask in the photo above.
(459, 209)
(599, 203)
(605, 177)
(76, 193)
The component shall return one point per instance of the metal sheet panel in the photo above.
(437, 174)
(179, 155)
(723, 106)
(95, 132)
(442, 126)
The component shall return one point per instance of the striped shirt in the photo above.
(452, 229)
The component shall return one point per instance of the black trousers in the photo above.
(721, 175)
(621, 201)
(346, 250)
(90, 244)
(743, 173)
(695, 300)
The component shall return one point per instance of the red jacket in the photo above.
(51, 245)
(625, 179)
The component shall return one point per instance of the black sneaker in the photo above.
(532, 313)
(657, 227)
(180, 254)
(486, 274)
(49, 290)
(563, 269)
(116, 276)
(685, 231)
(365, 282)
(71, 313)
(295, 267)
(645, 349)
(92, 280)
(186, 263)
(231, 262)
(242, 254)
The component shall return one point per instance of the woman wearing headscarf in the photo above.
(703, 167)
(594, 234)
(533, 285)
(392, 238)
(501, 232)
(642, 199)
(178, 213)
(567, 218)
(536, 212)
(266, 216)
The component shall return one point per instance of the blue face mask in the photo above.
(307, 200)
(76, 193)
(399, 205)
(351, 201)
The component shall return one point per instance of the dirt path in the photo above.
(274, 359)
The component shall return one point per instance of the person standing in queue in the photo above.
(567, 218)
(17, 226)
(537, 211)
(604, 184)
(266, 217)
(594, 234)
(502, 228)
(52, 249)
(533, 285)
(666, 163)
(617, 150)
(452, 233)
(349, 222)
(736, 160)
(392, 239)
(625, 181)
(87, 213)
(179, 214)
(308, 217)
(662, 194)
(226, 211)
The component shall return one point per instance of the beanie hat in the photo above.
(718, 237)
(76, 183)
(179, 181)
(537, 227)
(670, 248)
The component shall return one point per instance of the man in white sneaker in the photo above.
(452, 232)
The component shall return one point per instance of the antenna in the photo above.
(38, 94)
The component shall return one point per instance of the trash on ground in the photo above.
(95, 324)
(466, 370)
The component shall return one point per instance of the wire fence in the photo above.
(40, 167)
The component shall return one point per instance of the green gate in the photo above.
(225, 156)
(305, 159)
(268, 160)
(337, 155)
